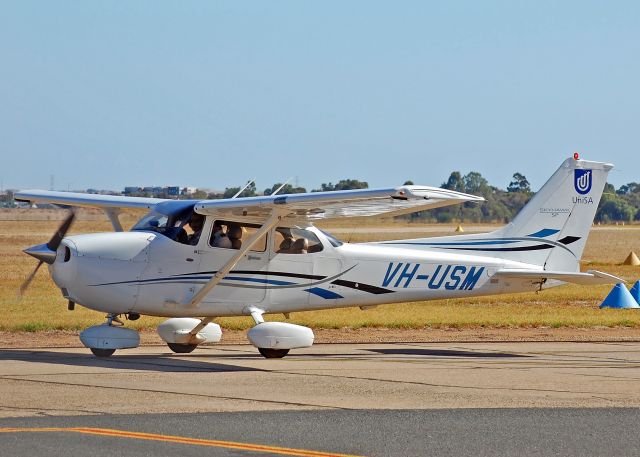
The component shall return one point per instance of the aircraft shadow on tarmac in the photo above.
(159, 363)
(446, 353)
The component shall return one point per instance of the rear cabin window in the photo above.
(291, 240)
(231, 235)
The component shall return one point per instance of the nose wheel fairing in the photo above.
(104, 339)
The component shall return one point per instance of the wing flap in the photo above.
(590, 277)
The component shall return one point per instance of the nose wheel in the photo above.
(269, 353)
(102, 353)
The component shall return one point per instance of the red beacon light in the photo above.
(576, 156)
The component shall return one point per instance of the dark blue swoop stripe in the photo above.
(544, 233)
(324, 293)
(206, 276)
(459, 246)
(456, 243)
(259, 272)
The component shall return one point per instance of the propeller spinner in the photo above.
(46, 253)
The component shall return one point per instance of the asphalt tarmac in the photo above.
(462, 432)
(373, 399)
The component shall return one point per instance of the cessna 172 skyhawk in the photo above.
(262, 255)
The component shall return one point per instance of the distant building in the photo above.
(156, 191)
(129, 190)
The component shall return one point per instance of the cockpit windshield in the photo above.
(168, 220)
(335, 242)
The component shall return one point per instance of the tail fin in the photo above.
(550, 231)
(556, 221)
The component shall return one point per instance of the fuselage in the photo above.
(149, 273)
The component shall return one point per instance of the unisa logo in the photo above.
(582, 181)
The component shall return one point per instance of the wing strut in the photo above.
(233, 261)
(112, 214)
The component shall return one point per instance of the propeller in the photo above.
(46, 253)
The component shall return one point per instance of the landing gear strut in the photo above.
(184, 334)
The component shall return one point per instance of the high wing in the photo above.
(112, 205)
(310, 206)
(338, 204)
(86, 200)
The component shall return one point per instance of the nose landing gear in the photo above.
(103, 340)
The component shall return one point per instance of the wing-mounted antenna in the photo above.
(251, 181)
(282, 186)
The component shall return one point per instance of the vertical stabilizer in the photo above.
(559, 216)
(550, 231)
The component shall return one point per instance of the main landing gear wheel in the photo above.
(182, 348)
(102, 352)
(268, 353)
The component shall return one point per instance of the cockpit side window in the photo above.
(231, 235)
(293, 240)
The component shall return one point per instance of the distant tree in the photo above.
(615, 206)
(630, 188)
(230, 192)
(199, 194)
(519, 184)
(287, 189)
(615, 209)
(455, 182)
(343, 184)
(474, 183)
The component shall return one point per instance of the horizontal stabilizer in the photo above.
(590, 277)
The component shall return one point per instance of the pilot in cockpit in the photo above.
(196, 223)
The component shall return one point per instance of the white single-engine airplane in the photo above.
(261, 255)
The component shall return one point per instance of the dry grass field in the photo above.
(43, 308)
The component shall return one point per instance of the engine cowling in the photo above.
(176, 330)
(280, 335)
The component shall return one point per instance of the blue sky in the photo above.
(107, 94)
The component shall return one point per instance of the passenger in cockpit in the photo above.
(235, 235)
(219, 239)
